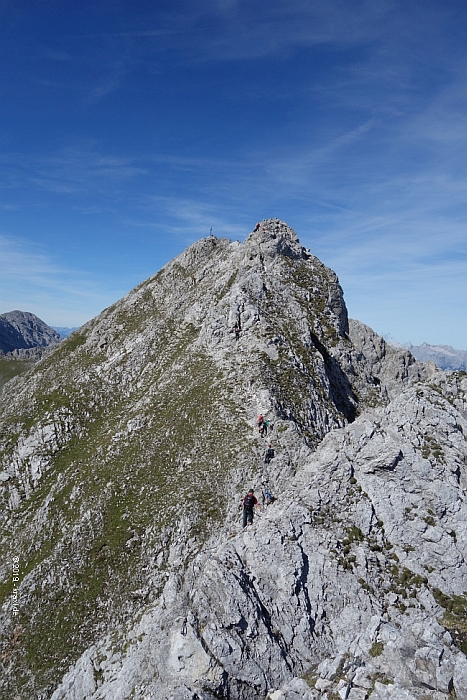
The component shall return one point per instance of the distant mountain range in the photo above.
(64, 331)
(443, 356)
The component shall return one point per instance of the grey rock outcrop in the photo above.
(125, 454)
(393, 367)
(10, 338)
(338, 583)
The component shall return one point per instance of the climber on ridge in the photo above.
(260, 422)
(269, 454)
(249, 501)
(267, 496)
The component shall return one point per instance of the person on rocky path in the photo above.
(268, 498)
(260, 422)
(249, 502)
(264, 428)
(269, 454)
(237, 330)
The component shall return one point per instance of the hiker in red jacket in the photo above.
(260, 422)
(249, 502)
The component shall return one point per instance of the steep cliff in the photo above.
(124, 456)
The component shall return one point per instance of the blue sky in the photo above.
(128, 129)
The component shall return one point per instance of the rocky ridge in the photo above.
(124, 456)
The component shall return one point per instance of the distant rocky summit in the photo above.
(444, 356)
(125, 572)
(22, 331)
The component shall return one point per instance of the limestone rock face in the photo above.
(125, 455)
(393, 367)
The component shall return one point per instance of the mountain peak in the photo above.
(124, 456)
(275, 237)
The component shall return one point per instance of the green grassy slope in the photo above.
(137, 432)
(103, 490)
(10, 368)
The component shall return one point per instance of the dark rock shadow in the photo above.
(340, 389)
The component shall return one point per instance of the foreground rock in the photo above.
(342, 585)
(126, 453)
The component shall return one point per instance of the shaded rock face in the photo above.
(125, 455)
(10, 337)
(21, 330)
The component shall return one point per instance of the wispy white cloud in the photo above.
(232, 30)
(190, 219)
(17, 261)
(32, 281)
(255, 32)
(72, 170)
